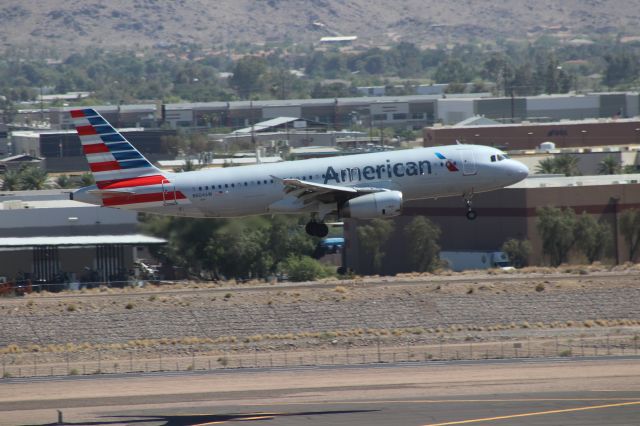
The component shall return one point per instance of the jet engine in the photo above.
(375, 205)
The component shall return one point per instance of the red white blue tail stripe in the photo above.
(117, 166)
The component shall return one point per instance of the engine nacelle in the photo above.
(371, 206)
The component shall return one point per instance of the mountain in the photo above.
(68, 26)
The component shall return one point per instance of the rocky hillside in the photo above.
(65, 25)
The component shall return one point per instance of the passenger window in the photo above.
(226, 185)
(258, 182)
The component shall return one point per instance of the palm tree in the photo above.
(64, 181)
(546, 166)
(189, 166)
(87, 179)
(11, 181)
(609, 166)
(567, 165)
(33, 178)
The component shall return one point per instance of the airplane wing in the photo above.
(323, 193)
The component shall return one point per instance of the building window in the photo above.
(400, 116)
(380, 117)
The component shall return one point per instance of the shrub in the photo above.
(517, 251)
(303, 268)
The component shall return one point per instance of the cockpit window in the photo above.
(500, 157)
(493, 158)
(506, 157)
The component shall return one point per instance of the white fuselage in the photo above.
(418, 173)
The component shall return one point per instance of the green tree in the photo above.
(422, 237)
(239, 249)
(11, 181)
(248, 76)
(452, 71)
(592, 237)
(556, 228)
(622, 67)
(188, 239)
(33, 178)
(518, 252)
(609, 166)
(371, 239)
(630, 228)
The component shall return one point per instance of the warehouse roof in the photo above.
(81, 240)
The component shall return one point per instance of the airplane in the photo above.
(363, 186)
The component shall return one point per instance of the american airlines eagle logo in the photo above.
(450, 165)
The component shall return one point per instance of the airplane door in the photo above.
(168, 193)
(468, 163)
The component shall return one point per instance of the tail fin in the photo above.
(111, 156)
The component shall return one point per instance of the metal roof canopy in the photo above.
(81, 240)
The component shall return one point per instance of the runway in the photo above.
(594, 391)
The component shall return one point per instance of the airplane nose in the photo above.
(518, 170)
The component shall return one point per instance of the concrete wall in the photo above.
(85, 220)
(451, 111)
(563, 107)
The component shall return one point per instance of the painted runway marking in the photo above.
(537, 413)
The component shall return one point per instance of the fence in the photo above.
(203, 358)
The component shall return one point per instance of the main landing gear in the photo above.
(317, 229)
(471, 213)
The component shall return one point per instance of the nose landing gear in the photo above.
(471, 213)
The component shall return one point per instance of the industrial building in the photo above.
(50, 239)
(63, 151)
(527, 135)
(505, 214)
(406, 112)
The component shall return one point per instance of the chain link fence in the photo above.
(202, 358)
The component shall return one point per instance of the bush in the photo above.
(303, 268)
(517, 251)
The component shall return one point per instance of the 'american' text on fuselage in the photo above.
(380, 171)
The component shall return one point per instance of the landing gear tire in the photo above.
(471, 213)
(317, 229)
